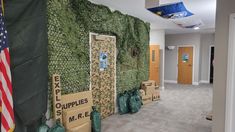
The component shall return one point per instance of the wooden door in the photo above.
(154, 63)
(185, 65)
(103, 72)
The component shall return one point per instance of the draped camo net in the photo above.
(69, 25)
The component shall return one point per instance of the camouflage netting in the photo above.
(69, 25)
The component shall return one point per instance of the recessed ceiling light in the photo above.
(196, 28)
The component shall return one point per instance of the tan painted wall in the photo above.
(224, 9)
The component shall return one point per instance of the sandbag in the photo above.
(57, 128)
(137, 95)
(43, 128)
(95, 120)
(123, 103)
(135, 101)
(133, 104)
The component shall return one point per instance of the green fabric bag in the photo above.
(43, 127)
(123, 103)
(138, 98)
(135, 101)
(57, 127)
(95, 120)
(133, 104)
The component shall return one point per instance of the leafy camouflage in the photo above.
(69, 25)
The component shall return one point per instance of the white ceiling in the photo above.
(204, 9)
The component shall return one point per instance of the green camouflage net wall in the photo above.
(69, 25)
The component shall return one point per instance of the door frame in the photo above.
(209, 70)
(230, 91)
(193, 69)
(115, 62)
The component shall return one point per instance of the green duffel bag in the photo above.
(95, 120)
(138, 98)
(43, 127)
(57, 127)
(123, 103)
(133, 104)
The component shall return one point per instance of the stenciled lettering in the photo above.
(75, 103)
(57, 78)
(58, 105)
(57, 85)
(59, 112)
(71, 118)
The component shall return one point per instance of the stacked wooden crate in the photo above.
(151, 91)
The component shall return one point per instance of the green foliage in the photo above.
(69, 25)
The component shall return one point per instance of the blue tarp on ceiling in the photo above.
(171, 11)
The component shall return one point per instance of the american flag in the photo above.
(6, 101)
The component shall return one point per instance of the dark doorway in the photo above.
(212, 64)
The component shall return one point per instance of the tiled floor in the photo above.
(182, 109)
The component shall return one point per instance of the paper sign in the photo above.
(103, 61)
(185, 57)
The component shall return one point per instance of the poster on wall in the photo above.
(103, 61)
(185, 57)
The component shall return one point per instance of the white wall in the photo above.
(224, 9)
(171, 55)
(207, 40)
(157, 37)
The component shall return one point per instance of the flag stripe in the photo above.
(7, 58)
(6, 63)
(7, 103)
(5, 125)
(5, 76)
(6, 114)
(5, 89)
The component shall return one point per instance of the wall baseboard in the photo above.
(204, 82)
(195, 83)
(162, 88)
(170, 81)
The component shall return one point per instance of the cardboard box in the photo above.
(157, 87)
(142, 92)
(74, 118)
(147, 99)
(86, 127)
(149, 90)
(148, 83)
(77, 100)
(156, 95)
